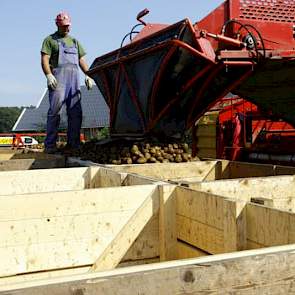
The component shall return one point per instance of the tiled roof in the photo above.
(95, 113)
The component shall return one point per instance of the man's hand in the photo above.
(51, 81)
(88, 82)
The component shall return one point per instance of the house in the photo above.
(95, 114)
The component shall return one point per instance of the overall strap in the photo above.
(75, 42)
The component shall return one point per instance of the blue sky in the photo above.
(98, 25)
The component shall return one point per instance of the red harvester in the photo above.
(169, 75)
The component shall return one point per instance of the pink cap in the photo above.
(63, 19)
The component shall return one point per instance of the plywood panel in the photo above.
(45, 205)
(172, 171)
(44, 180)
(120, 243)
(147, 243)
(64, 229)
(202, 236)
(201, 206)
(107, 177)
(209, 222)
(270, 227)
(232, 169)
(272, 188)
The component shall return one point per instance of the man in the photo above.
(61, 57)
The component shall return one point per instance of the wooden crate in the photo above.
(194, 172)
(61, 226)
(175, 172)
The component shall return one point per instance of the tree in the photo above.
(8, 117)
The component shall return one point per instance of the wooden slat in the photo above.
(200, 235)
(265, 271)
(56, 204)
(187, 251)
(203, 207)
(252, 245)
(47, 230)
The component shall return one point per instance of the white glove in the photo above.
(88, 82)
(51, 81)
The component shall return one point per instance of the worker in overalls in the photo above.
(61, 57)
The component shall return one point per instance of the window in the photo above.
(28, 140)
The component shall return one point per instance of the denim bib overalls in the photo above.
(67, 92)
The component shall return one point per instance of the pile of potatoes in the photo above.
(137, 153)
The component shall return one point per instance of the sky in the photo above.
(98, 25)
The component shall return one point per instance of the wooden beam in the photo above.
(167, 223)
(264, 271)
(235, 226)
(118, 247)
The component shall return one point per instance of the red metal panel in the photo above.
(274, 19)
(149, 29)
(214, 21)
(268, 10)
(275, 35)
(234, 9)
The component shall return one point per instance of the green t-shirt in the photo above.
(50, 47)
